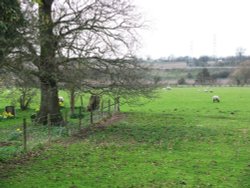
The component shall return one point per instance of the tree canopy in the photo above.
(11, 20)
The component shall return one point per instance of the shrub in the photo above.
(33, 116)
(181, 81)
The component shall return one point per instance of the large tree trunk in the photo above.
(48, 68)
(53, 107)
(43, 111)
(49, 103)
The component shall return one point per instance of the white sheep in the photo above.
(61, 99)
(216, 98)
(168, 88)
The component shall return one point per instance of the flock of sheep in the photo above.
(215, 98)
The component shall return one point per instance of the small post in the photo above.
(49, 127)
(102, 108)
(24, 135)
(80, 117)
(91, 117)
(81, 101)
(118, 104)
(109, 107)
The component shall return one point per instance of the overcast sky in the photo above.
(195, 27)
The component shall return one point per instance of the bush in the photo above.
(223, 74)
(33, 117)
(181, 81)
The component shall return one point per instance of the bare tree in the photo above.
(203, 77)
(241, 75)
(22, 88)
(116, 77)
(61, 31)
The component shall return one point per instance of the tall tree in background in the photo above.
(241, 75)
(203, 77)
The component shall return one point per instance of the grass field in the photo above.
(179, 139)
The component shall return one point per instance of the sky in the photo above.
(194, 27)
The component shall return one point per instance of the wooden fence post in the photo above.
(109, 113)
(80, 117)
(24, 135)
(91, 117)
(81, 101)
(102, 108)
(118, 104)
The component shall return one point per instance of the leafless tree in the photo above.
(60, 31)
(22, 88)
(114, 77)
(241, 75)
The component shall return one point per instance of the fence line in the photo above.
(24, 135)
(29, 134)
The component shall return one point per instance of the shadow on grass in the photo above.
(154, 129)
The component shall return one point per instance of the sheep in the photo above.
(168, 88)
(208, 90)
(216, 98)
(61, 99)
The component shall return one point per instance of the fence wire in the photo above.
(26, 136)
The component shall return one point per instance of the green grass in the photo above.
(180, 139)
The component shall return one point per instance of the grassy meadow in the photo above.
(180, 138)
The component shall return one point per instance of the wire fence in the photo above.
(27, 135)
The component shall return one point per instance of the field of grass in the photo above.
(178, 139)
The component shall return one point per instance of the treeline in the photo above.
(202, 61)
